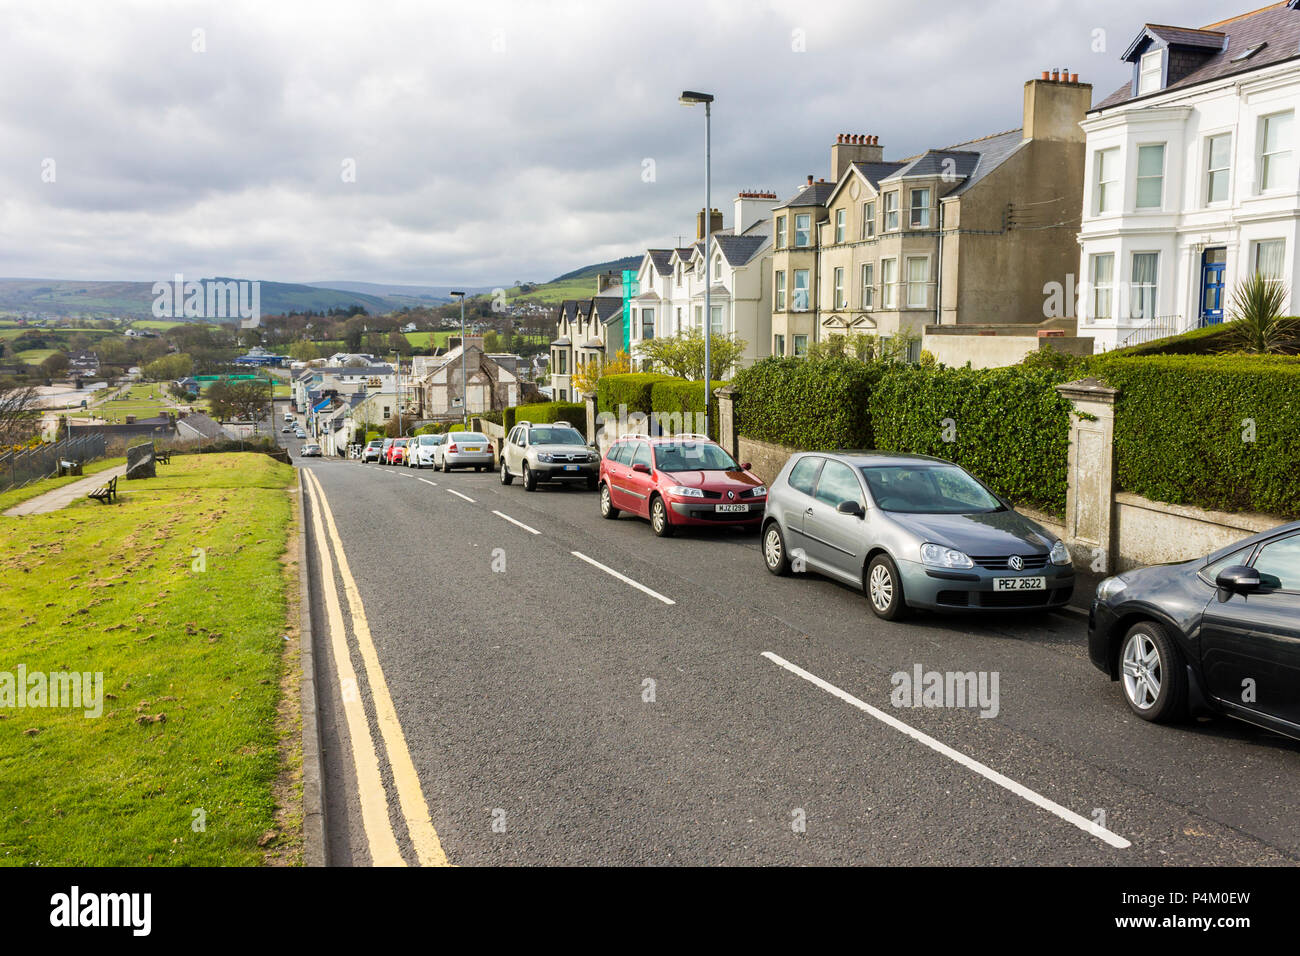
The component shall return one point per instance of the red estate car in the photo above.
(679, 481)
(396, 454)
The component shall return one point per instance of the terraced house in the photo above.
(967, 235)
(1192, 183)
(582, 328)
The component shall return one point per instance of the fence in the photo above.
(22, 467)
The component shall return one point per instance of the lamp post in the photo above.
(464, 382)
(691, 98)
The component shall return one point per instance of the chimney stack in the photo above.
(1055, 106)
(752, 206)
(853, 148)
(715, 219)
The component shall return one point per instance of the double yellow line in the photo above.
(370, 786)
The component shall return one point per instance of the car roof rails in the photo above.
(688, 436)
(633, 435)
(563, 424)
(523, 421)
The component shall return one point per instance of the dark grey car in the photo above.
(912, 532)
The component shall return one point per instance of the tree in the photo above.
(397, 342)
(353, 330)
(55, 365)
(491, 342)
(20, 415)
(239, 401)
(1257, 307)
(304, 350)
(682, 355)
(169, 368)
(586, 376)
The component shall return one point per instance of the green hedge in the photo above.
(633, 390)
(1181, 422)
(1008, 426)
(680, 397)
(575, 413)
(806, 405)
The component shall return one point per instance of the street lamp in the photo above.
(464, 382)
(690, 98)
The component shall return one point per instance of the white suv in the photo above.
(554, 452)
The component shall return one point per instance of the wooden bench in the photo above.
(163, 456)
(105, 494)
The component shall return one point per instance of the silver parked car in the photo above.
(465, 450)
(912, 532)
(554, 452)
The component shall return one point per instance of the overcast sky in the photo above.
(491, 141)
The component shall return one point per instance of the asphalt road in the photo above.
(521, 677)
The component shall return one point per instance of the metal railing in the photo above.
(31, 464)
(1162, 326)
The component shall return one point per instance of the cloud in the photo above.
(490, 141)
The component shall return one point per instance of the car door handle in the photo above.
(808, 512)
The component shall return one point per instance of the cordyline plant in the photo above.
(1257, 307)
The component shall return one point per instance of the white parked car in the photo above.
(420, 451)
(465, 450)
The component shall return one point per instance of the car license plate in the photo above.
(730, 508)
(475, 448)
(570, 467)
(1020, 584)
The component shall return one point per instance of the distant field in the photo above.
(162, 324)
(35, 356)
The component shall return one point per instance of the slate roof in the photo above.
(814, 195)
(662, 259)
(875, 172)
(607, 307)
(738, 250)
(1277, 25)
(205, 426)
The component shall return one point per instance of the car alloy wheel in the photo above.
(1153, 674)
(607, 509)
(774, 550)
(506, 477)
(884, 589)
(530, 478)
(659, 518)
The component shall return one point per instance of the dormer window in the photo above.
(1150, 72)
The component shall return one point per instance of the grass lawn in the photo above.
(18, 495)
(142, 399)
(34, 356)
(192, 663)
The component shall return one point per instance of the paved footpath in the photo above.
(63, 496)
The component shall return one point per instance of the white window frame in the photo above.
(837, 284)
(924, 284)
(780, 232)
(892, 215)
(807, 288)
(1139, 178)
(913, 209)
(1105, 191)
(1100, 289)
(805, 230)
(1256, 247)
(1136, 290)
(717, 267)
(1211, 170)
(868, 274)
(889, 289)
(778, 290)
(1266, 160)
(841, 223)
(1151, 72)
(778, 343)
(797, 352)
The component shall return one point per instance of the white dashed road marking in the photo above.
(622, 577)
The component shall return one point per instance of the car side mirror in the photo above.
(746, 465)
(850, 508)
(642, 468)
(1237, 579)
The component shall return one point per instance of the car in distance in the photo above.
(397, 451)
(465, 450)
(419, 452)
(913, 532)
(1217, 635)
(548, 452)
(678, 481)
(311, 451)
(286, 430)
(374, 448)
(383, 451)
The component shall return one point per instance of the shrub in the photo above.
(633, 390)
(1183, 426)
(1008, 426)
(575, 413)
(679, 397)
(806, 405)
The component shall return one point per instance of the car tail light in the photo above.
(452, 449)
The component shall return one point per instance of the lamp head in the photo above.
(691, 98)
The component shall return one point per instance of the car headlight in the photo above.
(1109, 587)
(1060, 553)
(939, 556)
(682, 491)
(542, 456)
(758, 492)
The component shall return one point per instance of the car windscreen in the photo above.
(430, 439)
(400, 443)
(693, 456)
(468, 438)
(928, 490)
(555, 436)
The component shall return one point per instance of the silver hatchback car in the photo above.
(912, 532)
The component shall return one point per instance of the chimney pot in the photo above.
(1047, 75)
(1074, 78)
(810, 179)
(1056, 76)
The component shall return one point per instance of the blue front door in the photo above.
(1213, 264)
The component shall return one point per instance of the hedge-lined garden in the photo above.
(803, 404)
(1219, 432)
